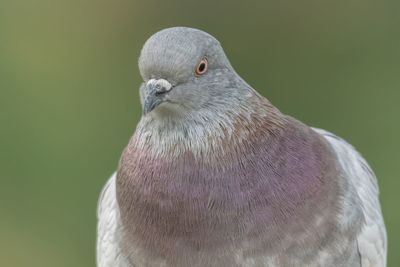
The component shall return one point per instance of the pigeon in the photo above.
(215, 175)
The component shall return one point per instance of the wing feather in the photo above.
(108, 251)
(372, 240)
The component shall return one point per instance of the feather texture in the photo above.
(372, 240)
(109, 229)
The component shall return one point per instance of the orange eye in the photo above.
(202, 67)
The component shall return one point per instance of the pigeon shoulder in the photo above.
(372, 239)
(108, 250)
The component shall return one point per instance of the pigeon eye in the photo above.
(201, 68)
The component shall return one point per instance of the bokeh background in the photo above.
(69, 98)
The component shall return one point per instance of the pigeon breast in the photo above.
(252, 198)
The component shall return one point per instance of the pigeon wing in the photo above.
(108, 251)
(372, 240)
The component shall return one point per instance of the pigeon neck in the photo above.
(209, 135)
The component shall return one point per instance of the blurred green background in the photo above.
(69, 98)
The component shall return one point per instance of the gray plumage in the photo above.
(215, 175)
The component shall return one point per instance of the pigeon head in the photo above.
(193, 99)
(186, 73)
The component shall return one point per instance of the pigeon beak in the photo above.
(155, 92)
